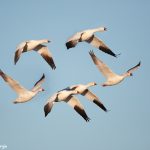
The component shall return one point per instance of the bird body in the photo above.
(84, 91)
(86, 34)
(31, 44)
(36, 45)
(80, 88)
(24, 95)
(66, 96)
(89, 37)
(112, 78)
(63, 95)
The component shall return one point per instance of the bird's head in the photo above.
(101, 29)
(92, 84)
(129, 74)
(41, 90)
(45, 41)
(105, 29)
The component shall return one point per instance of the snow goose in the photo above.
(66, 96)
(84, 91)
(89, 37)
(24, 95)
(37, 46)
(112, 78)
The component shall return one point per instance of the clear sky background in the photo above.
(127, 125)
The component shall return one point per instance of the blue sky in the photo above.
(126, 125)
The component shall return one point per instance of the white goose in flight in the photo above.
(84, 91)
(66, 96)
(89, 37)
(36, 45)
(112, 78)
(24, 95)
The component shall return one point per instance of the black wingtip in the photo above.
(1, 72)
(15, 102)
(100, 105)
(82, 113)
(51, 63)
(46, 110)
(43, 76)
(108, 51)
(114, 55)
(88, 119)
(70, 44)
(46, 114)
(49, 60)
(15, 61)
(53, 67)
(139, 64)
(91, 52)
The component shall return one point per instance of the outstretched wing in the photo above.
(75, 103)
(22, 47)
(12, 83)
(45, 53)
(100, 45)
(103, 68)
(73, 87)
(48, 106)
(38, 83)
(134, 68)
(92, 97)
(73, 41)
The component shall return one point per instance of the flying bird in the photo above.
(24, 95)
(36, 45)
(84, 91)
(66, 96)
(89, 37)
(112, 78)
